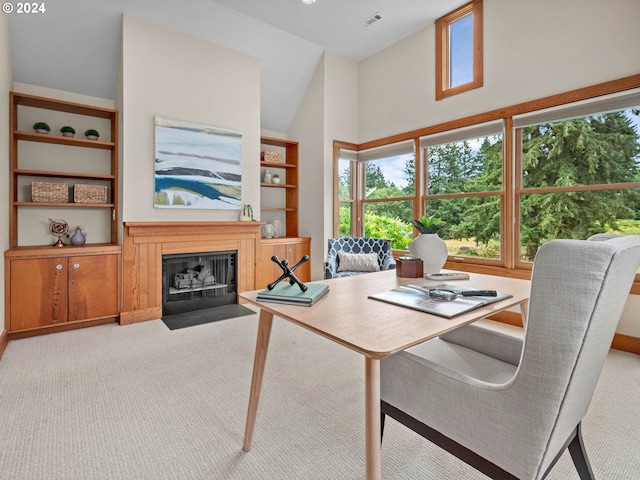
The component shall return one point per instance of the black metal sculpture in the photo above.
(288, 272)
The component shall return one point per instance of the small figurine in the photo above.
(288, 272)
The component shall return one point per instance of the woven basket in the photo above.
(47, 192)
(271, 157)
(89, 193)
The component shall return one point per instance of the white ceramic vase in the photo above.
(431, 249)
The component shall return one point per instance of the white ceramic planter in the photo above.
(431, 249)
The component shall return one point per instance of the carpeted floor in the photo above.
(141, 402)
(206, 315)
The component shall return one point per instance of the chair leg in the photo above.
(579, 456)
(382, 417)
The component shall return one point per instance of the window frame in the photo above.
(510, 207)
(443, 50)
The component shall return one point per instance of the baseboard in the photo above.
(4, 339)
(624, 343)
(135, 316)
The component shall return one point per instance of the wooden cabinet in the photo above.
(52, 288)
(291, 248)
(46, 289)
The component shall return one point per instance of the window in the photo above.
(382, 187)
(577, 176)
(464, 187)
(506, 181)
(459, 50)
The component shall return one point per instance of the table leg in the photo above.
(262, 343)
(372, 417)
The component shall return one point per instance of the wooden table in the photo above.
(372, 328)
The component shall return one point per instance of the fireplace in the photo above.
(195, 281)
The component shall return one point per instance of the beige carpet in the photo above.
(142, 402)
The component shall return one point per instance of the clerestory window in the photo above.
(459, 50)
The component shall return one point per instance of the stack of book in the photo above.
(292, 295)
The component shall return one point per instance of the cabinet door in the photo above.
(295, 252)
(39, 292)
(93, 287)
(270, 271)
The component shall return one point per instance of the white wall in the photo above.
(328, 111)
(531, 50)
(5, 87)
(168, 74)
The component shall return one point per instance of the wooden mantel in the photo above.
(144, 243)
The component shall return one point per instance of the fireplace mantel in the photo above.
(144, 243)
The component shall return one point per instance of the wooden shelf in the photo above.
(278, 185)
(277, 164)
(67, 204)
(60, 140)
(287, 209)
(20, 137)
(51, 173)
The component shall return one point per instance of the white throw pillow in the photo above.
(358, 262)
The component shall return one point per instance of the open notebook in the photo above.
(417, 297)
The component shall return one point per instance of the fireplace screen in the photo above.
(195, 281)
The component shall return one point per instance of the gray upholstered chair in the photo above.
(507, 406)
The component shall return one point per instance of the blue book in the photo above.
(291, 294)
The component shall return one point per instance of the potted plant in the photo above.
(41, 127)
(275, 178)
(428, 246)
(68, 131)
(92, 134)
(427, 224)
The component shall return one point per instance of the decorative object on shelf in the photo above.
(277, 228)
(89, 193)
(268, 230)
(41, 127)
(79, 237)
(428, 246)
(49, 192)
(288, 272)
(92, 134)
(58, 228)
(272, 157)
(246, 214)
(197, 166)
(275, 178)
(68, 131)
(266, 177)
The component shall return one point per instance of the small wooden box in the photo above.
(409, 267)
(274, 157)
(89, 193)
(47, 192)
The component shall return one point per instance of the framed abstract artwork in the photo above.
(197, 166)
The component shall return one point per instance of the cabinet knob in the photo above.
(58, 267)
(76, 265)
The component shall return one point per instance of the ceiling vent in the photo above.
(371, 20)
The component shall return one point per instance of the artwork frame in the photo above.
(196, 166)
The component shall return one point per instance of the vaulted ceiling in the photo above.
(75, 44)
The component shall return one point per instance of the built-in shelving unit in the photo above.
(49, 288)
(279, 201)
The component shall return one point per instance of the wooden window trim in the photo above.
(443, 69)
(511, 232)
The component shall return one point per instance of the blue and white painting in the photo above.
(197, 166)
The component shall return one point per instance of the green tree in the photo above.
(599, 149)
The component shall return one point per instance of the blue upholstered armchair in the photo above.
(349, 256)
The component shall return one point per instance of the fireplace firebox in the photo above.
(195, 281)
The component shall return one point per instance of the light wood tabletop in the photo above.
(373, 328)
